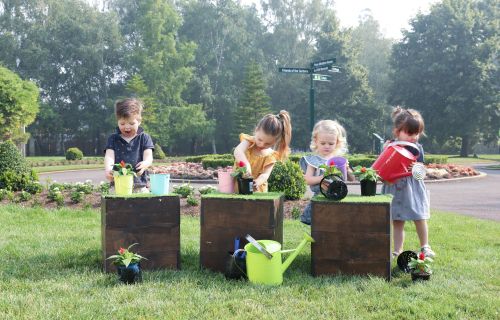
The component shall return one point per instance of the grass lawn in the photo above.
(68, 167)
(52, 269)
(481, 158)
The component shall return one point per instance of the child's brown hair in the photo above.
(128, 107)
(407, 120)
(280, 127)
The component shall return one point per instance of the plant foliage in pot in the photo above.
(332, 186)
(123, 175)
(368, 179)
(420, 267)
(128, 265)
(245, 181)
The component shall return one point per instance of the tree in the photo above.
(18, 106)
(254, 102)
(447, 67)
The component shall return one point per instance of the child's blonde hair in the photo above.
(331, 127)
(407, 120)
(280, 127)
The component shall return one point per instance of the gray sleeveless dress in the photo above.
(411, 198)
(314, 161)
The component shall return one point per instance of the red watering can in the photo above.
(394, 162)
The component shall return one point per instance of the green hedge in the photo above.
(200, 158)
(217, 162)
(435, 159)
(74, 154)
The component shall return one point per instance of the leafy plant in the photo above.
(74, 154)
(34, 187)
(25, 196)
(330, 169)
(421, 265)
(207, 189)
(77, 196)
(240, 171)
(123, 169)
(126, 257)
(158, 153)
(363, 173)
(184, 190)
(56, 195)
(295, 213)
(287, 177)
(104, 187)
(192, 201)
(86, 187)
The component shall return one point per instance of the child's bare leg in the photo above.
(399, 235)
(422, 232)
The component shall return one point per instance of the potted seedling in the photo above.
(245, 181)
(128, 265)
(420, 267)
(368, 179)
(332, 185)
(123, 174)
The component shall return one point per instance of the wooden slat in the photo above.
(345, 246)
(380, 268)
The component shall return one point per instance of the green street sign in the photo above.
(323, 63)
(294, 70)
(321, 77)
(325, 68)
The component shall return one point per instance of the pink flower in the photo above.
(122, 164)
(331, 163)
(121, 251)
(241, 164)
(421, 256)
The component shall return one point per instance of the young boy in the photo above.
(129, 143)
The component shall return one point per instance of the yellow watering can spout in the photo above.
(289, 260)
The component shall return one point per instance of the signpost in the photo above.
(316, 66)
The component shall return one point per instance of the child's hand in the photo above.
(140, 167)
(109, 175)
(257, 182)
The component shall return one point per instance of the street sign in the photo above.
(335, 69)
(294, 70)
(321, 77)
(325, 68)
(322, 63)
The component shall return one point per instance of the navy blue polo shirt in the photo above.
(131, 152)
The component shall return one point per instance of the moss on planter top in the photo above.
(380, 198)
(138, 195)
(254, 196)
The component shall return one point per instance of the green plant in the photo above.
(330, 169)
(77, 196)
(104, 187)
(158, 153)
(215, 162)
(56, 195)
(363, 173)
(240, 171)
(126, 257)
(123, 169)
(421, 265)
(85, 187)
(191, 200)
(25, 196)
(74, 154)
(6, 194)
(295, 213)
(287, 177)
(184, 190)
(15, 172)
(207, 189)
(361, 160)
(34, 187)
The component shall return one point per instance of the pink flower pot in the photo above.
(226, 182)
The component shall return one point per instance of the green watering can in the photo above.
(263, 260)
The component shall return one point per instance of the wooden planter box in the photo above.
(226, 216)
(151, 221)
(352, 236)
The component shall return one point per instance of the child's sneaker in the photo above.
(428, 251)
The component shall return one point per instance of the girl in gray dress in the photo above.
(328, 140)
(411, 200)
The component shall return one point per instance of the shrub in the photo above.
(74, 154)
(86, 187)
(207, 189)
(295, 213)
(77, 196)
(25, 196)
(287, 177)
(192, 201)
(435, 159)
(15, 173)
(158, 152)
(184, 190)
(104, 187)
(34, 187)
(6, 194)
(361, 160)
(217, 162)
(196, 159)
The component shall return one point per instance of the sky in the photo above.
(392, 15)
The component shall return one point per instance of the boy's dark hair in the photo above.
(128, 107)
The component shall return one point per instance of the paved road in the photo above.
(478, 197)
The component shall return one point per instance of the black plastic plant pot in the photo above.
(245, 185)
(333, 187)
(420, 276)
(130, 274)
(404, 259)
(368, 187)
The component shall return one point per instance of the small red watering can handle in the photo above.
(404, 143)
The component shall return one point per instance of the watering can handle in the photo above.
(259, 247)
(404, 143)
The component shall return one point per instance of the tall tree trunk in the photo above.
(464, 150)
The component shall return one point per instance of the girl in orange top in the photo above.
(270, 143)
